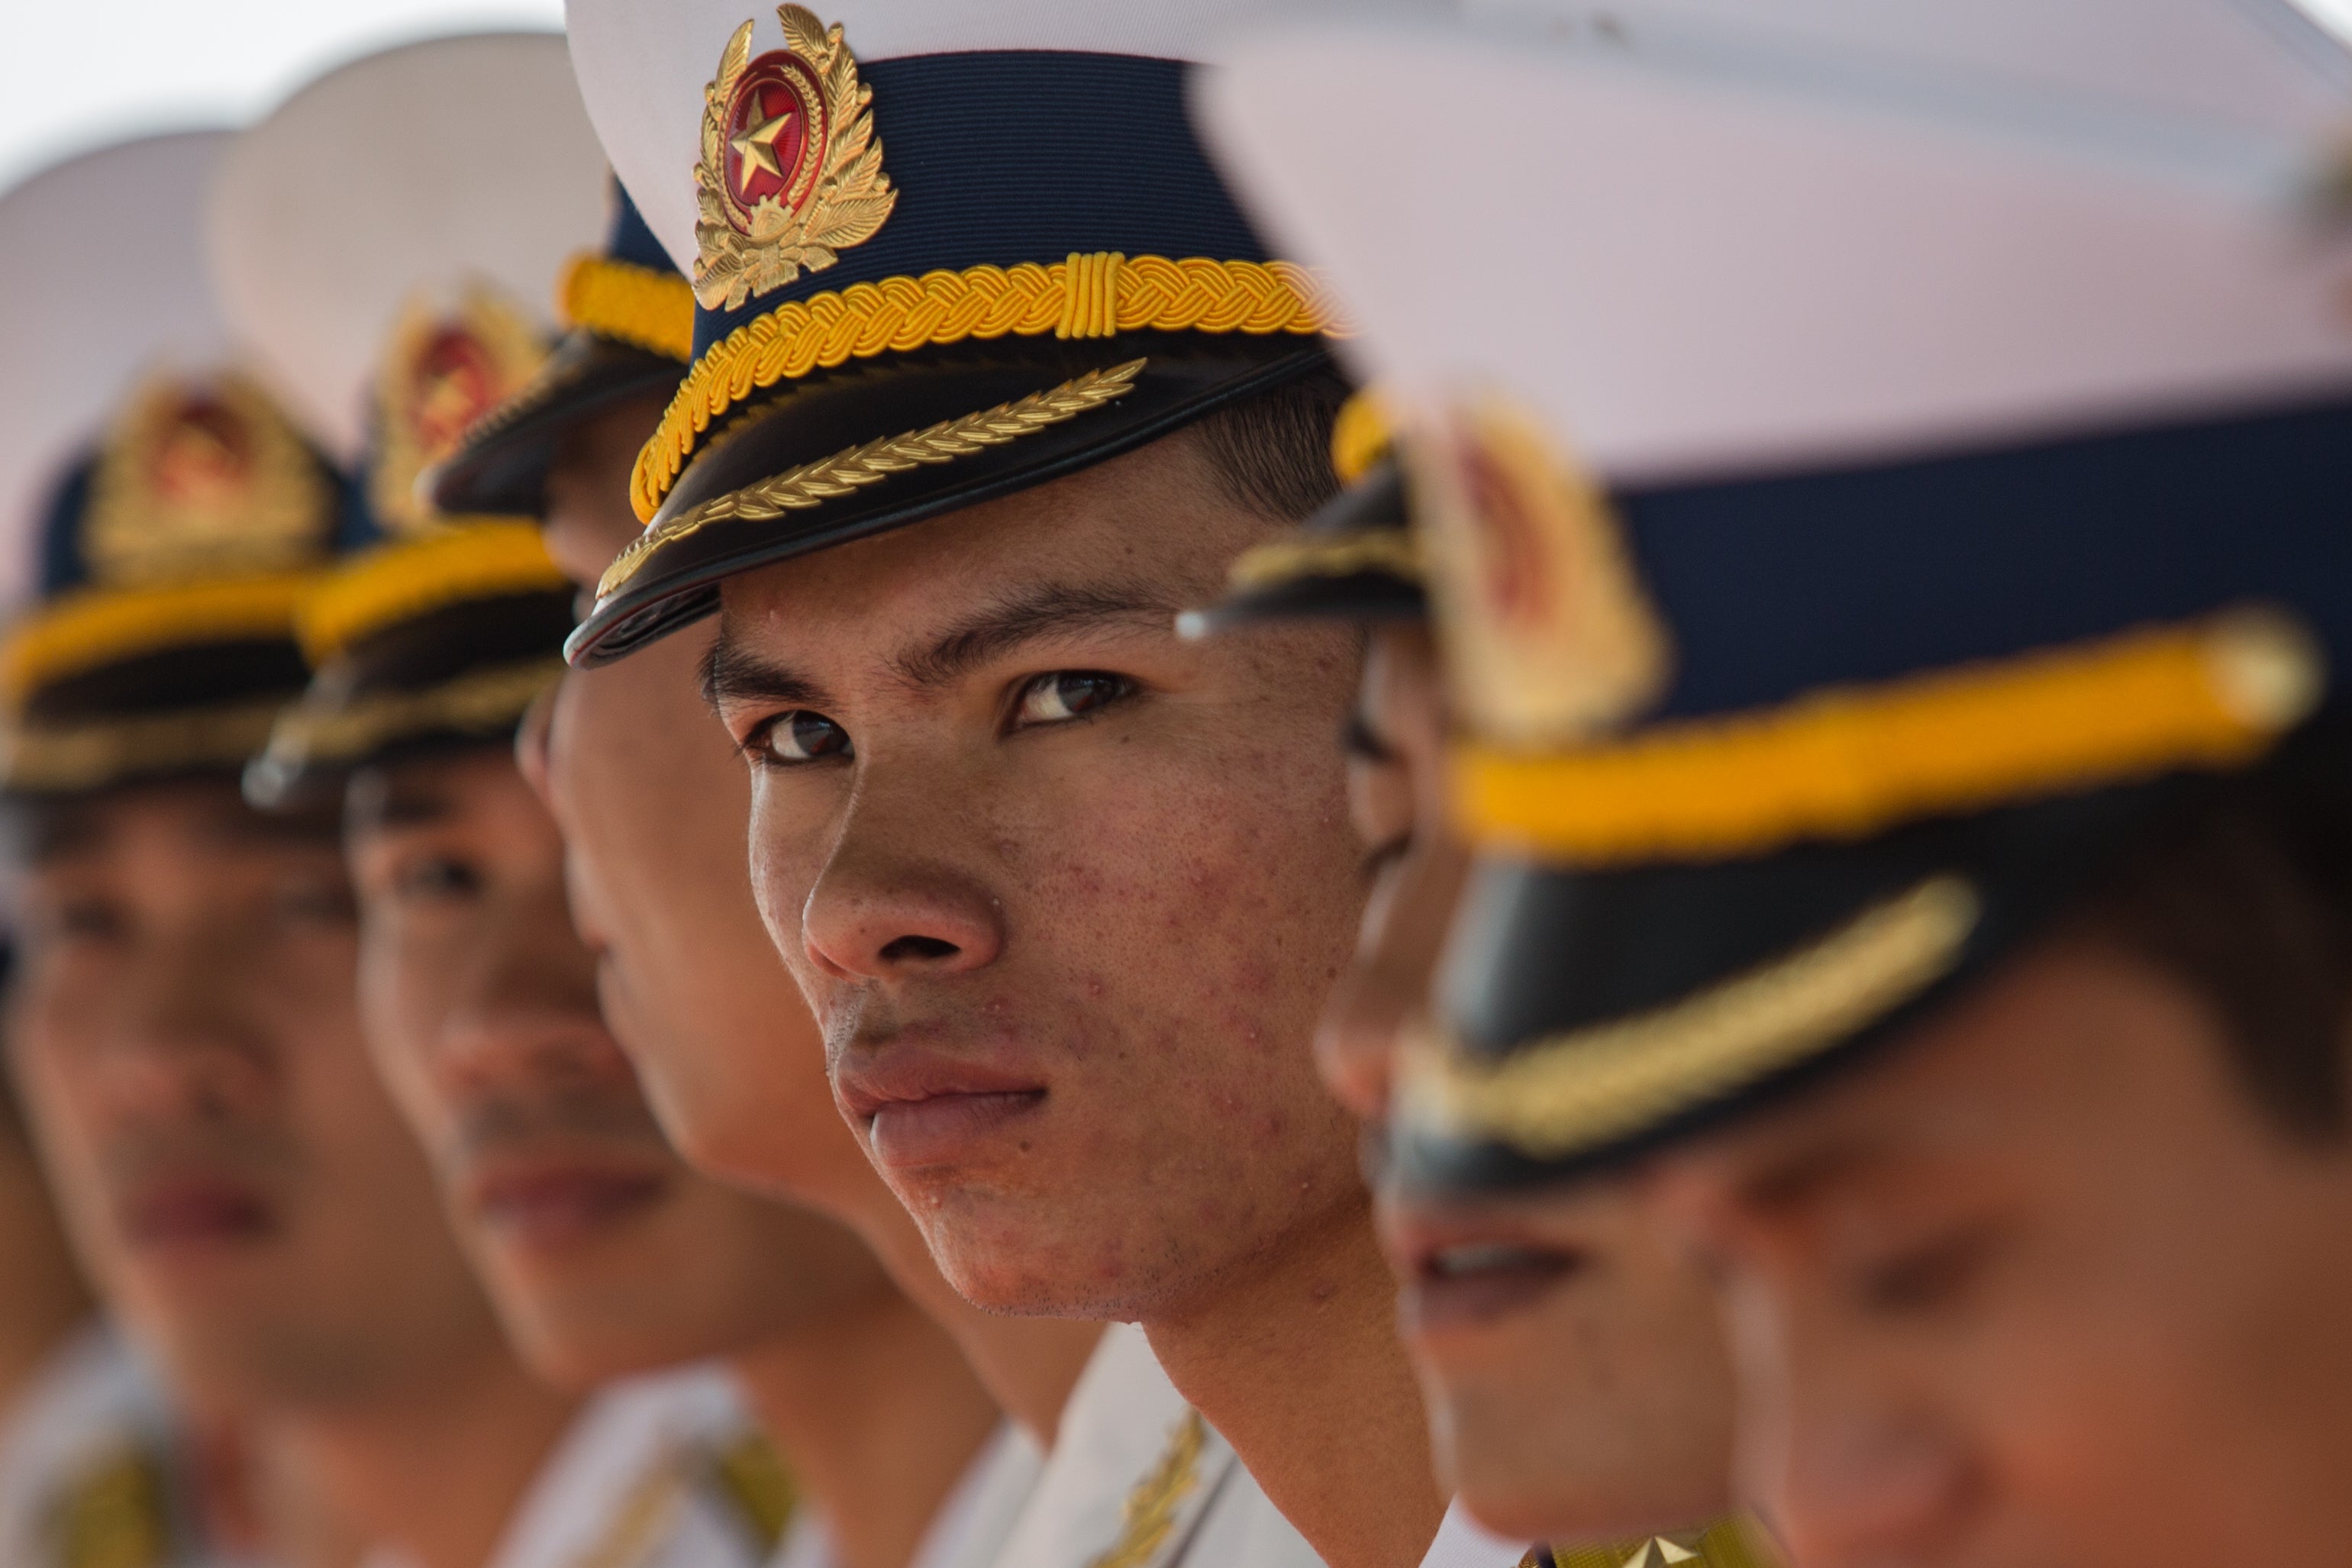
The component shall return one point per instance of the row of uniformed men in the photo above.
(1841, 838)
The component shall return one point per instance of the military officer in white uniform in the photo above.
(859, 263)
(182, 1026)
(1853, 527)
(397, 308)
(90, 1453)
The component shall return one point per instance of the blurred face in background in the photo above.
(604, 1253)
(652, 799)
(1574, 1368)
(2041, 1284)
(184, 1030)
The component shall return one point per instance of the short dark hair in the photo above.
(1272, 453)
(2244, 895)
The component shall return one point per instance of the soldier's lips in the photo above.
(197, 1211)
(1462, 1274)
(921, 1107)
(546, 1204)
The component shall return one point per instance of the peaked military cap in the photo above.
(387, 266)
(171, 515)
(1852, 520)
(1356, 559)
(941, 250)
(629, 316)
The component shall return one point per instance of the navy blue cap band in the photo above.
(1006, 156)
(1779, 587)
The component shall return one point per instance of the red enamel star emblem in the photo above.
(775, 137)
(791, 172)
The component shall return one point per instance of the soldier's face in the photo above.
(652, 798)
(1066, 892)
(1574, 1367)
(184, 1027)
(604, 1252)
(2038, 1287)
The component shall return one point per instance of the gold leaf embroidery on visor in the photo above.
(339, 729)
(1591, 1087)
(1393, 552)
(853, 468)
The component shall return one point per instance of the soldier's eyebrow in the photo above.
(48, 831)
(732, 674)
(379, 800)
(1049, 609)
(239, 825)
(1790, 1182)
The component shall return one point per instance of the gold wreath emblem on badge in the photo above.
(443, 370)
(203, 477)
(791, 175)
(1550, 635)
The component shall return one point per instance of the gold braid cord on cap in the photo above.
(1364, 433)
(1085, 297)
(95, 626)
(811, 484)
(1586, 1088)
(408, 578)
(1848, 763)
(629, 304)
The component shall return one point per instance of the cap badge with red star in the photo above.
(203, 477)
(791, 173)
(444, 371)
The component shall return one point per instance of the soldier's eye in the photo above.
(317, 899)
(1068, 694)
(86, 920)
(1935, 1273)
(437, 877)
(800, 736)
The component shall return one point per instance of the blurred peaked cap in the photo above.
(643, 64)
(1356, 559)
(90, 309)
(1693, 272)
(419, 172)
(1970, 466)
(2262, 65)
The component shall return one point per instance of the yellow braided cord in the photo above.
(483, 559)
(1361, 436)
(1845, 763)
(91, 628)
(1084, 297)
(630, 304)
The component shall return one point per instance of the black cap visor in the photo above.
(500, 469)
(1183, 377)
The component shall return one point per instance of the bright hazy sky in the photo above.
(79, 73)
